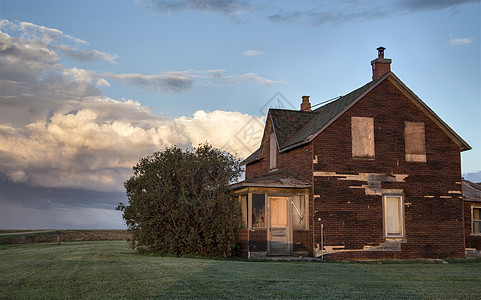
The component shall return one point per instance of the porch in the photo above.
(275, 215)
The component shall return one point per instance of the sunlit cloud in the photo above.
(252, 53)
(57, 129)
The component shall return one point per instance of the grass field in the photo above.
(109, 270)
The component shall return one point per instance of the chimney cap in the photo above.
(380, 51)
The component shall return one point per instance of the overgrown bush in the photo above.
(179, 202)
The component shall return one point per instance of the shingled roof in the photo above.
(279, 179)
(294, 128)
(471, 191)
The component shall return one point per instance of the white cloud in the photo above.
(253, 77)
(90, 148)
(460, 41)
(252, 53)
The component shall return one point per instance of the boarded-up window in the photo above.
(273, 152)
(278, 212)
(393, 216)
(258, 210)
(362, 131)
(299, 212)
(414, 138)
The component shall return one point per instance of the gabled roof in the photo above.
(296, 128)
(324, 114)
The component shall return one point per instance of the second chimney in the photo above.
(305, 105)
(380, 65)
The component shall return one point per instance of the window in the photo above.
(393, 216)
(258, 210)
(362, 133)
(244, 206)
(299, 212)
(273, 152)
(476, 217)
(414, 138)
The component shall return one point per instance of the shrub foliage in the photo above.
(179, 202)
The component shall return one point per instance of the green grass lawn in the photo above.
(109, 269)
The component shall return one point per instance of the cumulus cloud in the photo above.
(57, 130)
(251, 53)
(89, 147)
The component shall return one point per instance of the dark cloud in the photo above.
(24, 206)
(37, 197)
(168, 82)
(355, 11)
(228, 8)
(414, 5)
(473, 176)
(90, 56)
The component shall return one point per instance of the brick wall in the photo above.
(472, 241)
(433, 215)
(258, 240)
(433, 208)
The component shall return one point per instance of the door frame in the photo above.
(288, 225)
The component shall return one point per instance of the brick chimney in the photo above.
(380, 65)
(305, 105)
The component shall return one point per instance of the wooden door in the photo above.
(279, 226)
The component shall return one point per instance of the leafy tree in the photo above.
(179, 202)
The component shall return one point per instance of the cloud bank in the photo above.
(355, 11)
(57, 129)
(318, 12)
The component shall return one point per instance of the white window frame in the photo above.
(401, 213)
(473, 207)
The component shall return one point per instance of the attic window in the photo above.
(273, 152)
(414, 137)
(362, 132)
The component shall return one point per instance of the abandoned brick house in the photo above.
(376, 171)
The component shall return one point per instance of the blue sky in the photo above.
(88, 87)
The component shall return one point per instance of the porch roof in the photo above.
(275, 179)
(471, 191)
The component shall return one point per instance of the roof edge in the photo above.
(445, 127)
(314, 135)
